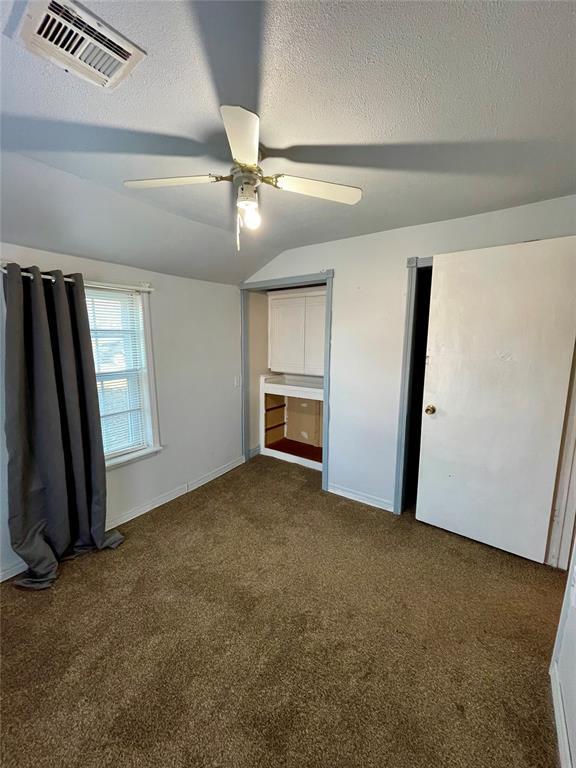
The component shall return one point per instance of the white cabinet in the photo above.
(287, 317)
(296, 331)
(314, 335)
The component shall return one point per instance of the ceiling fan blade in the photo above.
(174, 181)
(243, 132)
(339, 193)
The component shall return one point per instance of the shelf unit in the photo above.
(277, 392)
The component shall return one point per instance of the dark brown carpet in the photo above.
(258, 623)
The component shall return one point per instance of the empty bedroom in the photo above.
(287, 384)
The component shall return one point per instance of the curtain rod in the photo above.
(143, 287)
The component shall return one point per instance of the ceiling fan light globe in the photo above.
(252, 218)
(247, 205)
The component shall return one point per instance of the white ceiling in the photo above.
(486, 89)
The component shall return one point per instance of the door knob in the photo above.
(430, 409)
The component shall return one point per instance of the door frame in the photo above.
(563, 523)
(326, 278)
(412, 264)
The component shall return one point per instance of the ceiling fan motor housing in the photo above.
(247, 194)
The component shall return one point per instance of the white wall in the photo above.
(196, 340)
(369, 306)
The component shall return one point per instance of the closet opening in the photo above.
(421, 312)
(286, 330)
(294, 426)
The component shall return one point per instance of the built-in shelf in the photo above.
(291, 418)
(296, 448)
(292, 385)
(273, 426)
(275, 407)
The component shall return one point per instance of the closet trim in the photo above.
(300, 281)
(326, 278)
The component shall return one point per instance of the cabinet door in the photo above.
(314, 335)
(286, 334)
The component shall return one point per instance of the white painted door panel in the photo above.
(567, 671)
(500, 346)
(314, 335)
(563, 672)
(286, 334)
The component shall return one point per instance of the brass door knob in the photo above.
(430, 409)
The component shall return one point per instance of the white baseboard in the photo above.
(365, 498)
(14, 568)
(253, 452)
(215, 473)
(292, 459)
(141, 509)
(561, 725)
(191, 485)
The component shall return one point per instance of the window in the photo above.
(121, 347)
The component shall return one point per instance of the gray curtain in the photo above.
(56, 470)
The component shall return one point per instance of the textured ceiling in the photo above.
(441, 110)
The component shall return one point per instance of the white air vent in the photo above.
(72, 38)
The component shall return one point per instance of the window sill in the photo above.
(128, 458)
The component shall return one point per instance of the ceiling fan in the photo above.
(243, 131)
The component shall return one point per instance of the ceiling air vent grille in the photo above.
(78, 42)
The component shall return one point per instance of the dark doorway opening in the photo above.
(416, 385)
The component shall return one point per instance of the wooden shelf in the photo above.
(296, 448)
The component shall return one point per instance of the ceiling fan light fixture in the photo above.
(247, 204)
(251, 217)
(242, 130)
(247, 196)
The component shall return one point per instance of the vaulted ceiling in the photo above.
(437, 110)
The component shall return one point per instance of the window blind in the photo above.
(117, 330)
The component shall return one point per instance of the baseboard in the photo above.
(364, 498)
(12, 570)
(215, 473)
(317, 465)
(191, 485)
(561, 725)
(141, 509)
(130, 514)
(253, 452)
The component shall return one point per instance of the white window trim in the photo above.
(154, 446)
(128, 458)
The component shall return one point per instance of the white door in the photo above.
(286, 334)
(563, 670)
(314, 335)
(500, 345)
(566, 664)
